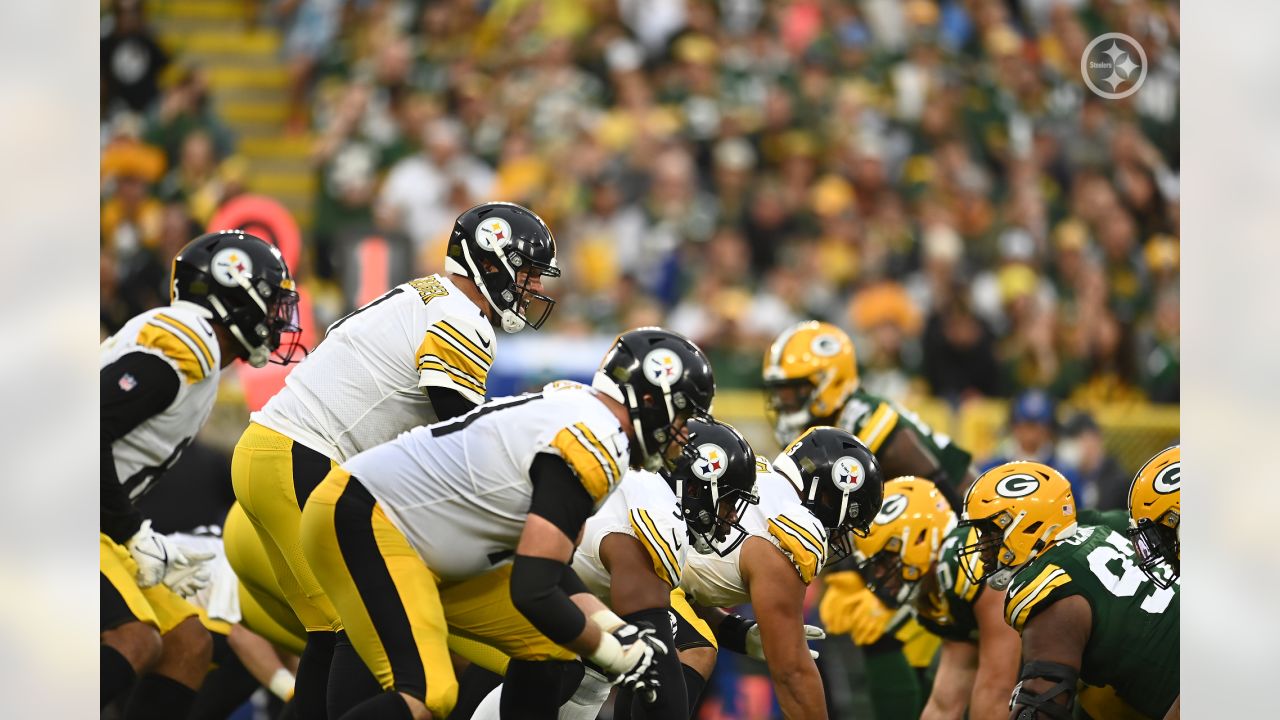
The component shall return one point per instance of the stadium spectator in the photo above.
(1104, 483)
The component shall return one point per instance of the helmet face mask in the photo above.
(506, 249)
(1157, 547)
(901, 547)
(787, 407)
(1155, 510)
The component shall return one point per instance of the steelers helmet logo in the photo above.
(893, 507)
(662, 367)
(1168, 480)
(712, 462)
(825, 346)
(229, 265)
(1016, 486)
(493, 234)
(848, 474)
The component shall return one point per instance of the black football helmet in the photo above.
(838, 479)
(244, 282)
(663, 379)
(714, 480)
(491, 244)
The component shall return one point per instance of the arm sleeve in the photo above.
(133, 388)
(448, 403)
(558, 496)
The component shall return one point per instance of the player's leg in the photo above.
(689, 668)
(386, 598)
(263, 608)
(129, 629)
(230, 683)
(186, 652)
(272, 476)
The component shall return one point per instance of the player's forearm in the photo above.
(951, 686)
(990, 701)
(799, 691)
(256, 653)
(119, 518)
(1175, 712)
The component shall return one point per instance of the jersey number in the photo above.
(1112, 565)
(140, 482)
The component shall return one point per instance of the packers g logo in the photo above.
(662, 367)
(229, 265)
(712, 462)
(1168, 480)
(825, 346)
(848, 474)
(493, 234)
(893, 507)
(1016, 486)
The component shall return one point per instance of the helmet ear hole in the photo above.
(1033, 527)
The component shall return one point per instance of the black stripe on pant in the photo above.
(353, 525)
(309, 469)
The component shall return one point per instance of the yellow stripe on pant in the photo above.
(392, 606)
(263, 475)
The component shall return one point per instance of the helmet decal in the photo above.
(662, 367)
(229, 265)
(825, 345)
(493, 234)
(1016, 486)
(848, 474)
(894, 506)
(712, 462)
(1169, 480)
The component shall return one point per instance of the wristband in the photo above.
(608, 655)
(732, 633)
(607, 619)
(281, 684)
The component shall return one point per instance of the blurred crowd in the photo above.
(932, 175)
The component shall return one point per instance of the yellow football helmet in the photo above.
(809, 372)
(1154, 513)
(900, 548)
(1019, 509)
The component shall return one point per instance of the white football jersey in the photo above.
(366, 382)
(644, 508)
(221, 597)
(460, 490)
(715, 580)
(180, 333)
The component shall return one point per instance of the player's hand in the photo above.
(152, 552)
(755, 647)
(870, 618)
(640, 648)
(188, 574)
(839, 600)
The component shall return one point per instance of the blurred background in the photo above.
(931, 175)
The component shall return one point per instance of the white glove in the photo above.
(755, 648)
(189, 574)
(158, 557)
(627, 655)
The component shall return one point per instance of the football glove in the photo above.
(869, 619)
(189, 574)
(157, 556)
(627, 655)
(840, 600)
(755, 648)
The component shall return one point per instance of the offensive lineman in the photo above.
(825, 487)
(467, 527)
(811, 377)
(231, 296)
(1085, 609)
(419, 354)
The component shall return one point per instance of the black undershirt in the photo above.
(134, 388)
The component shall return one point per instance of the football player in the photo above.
(633, 553)
(419, 354)
(1084, 608)
(1155, 508)
(231, 296)
(909, 559)
(811, 378)
(468, 526)
(823, 488)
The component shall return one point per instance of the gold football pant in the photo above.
(123, 601)
(393, 607)
(272, 476)
(263, 608)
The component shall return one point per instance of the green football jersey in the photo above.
(1133, 646)
(875, 420)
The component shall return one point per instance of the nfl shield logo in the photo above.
(127, 382)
